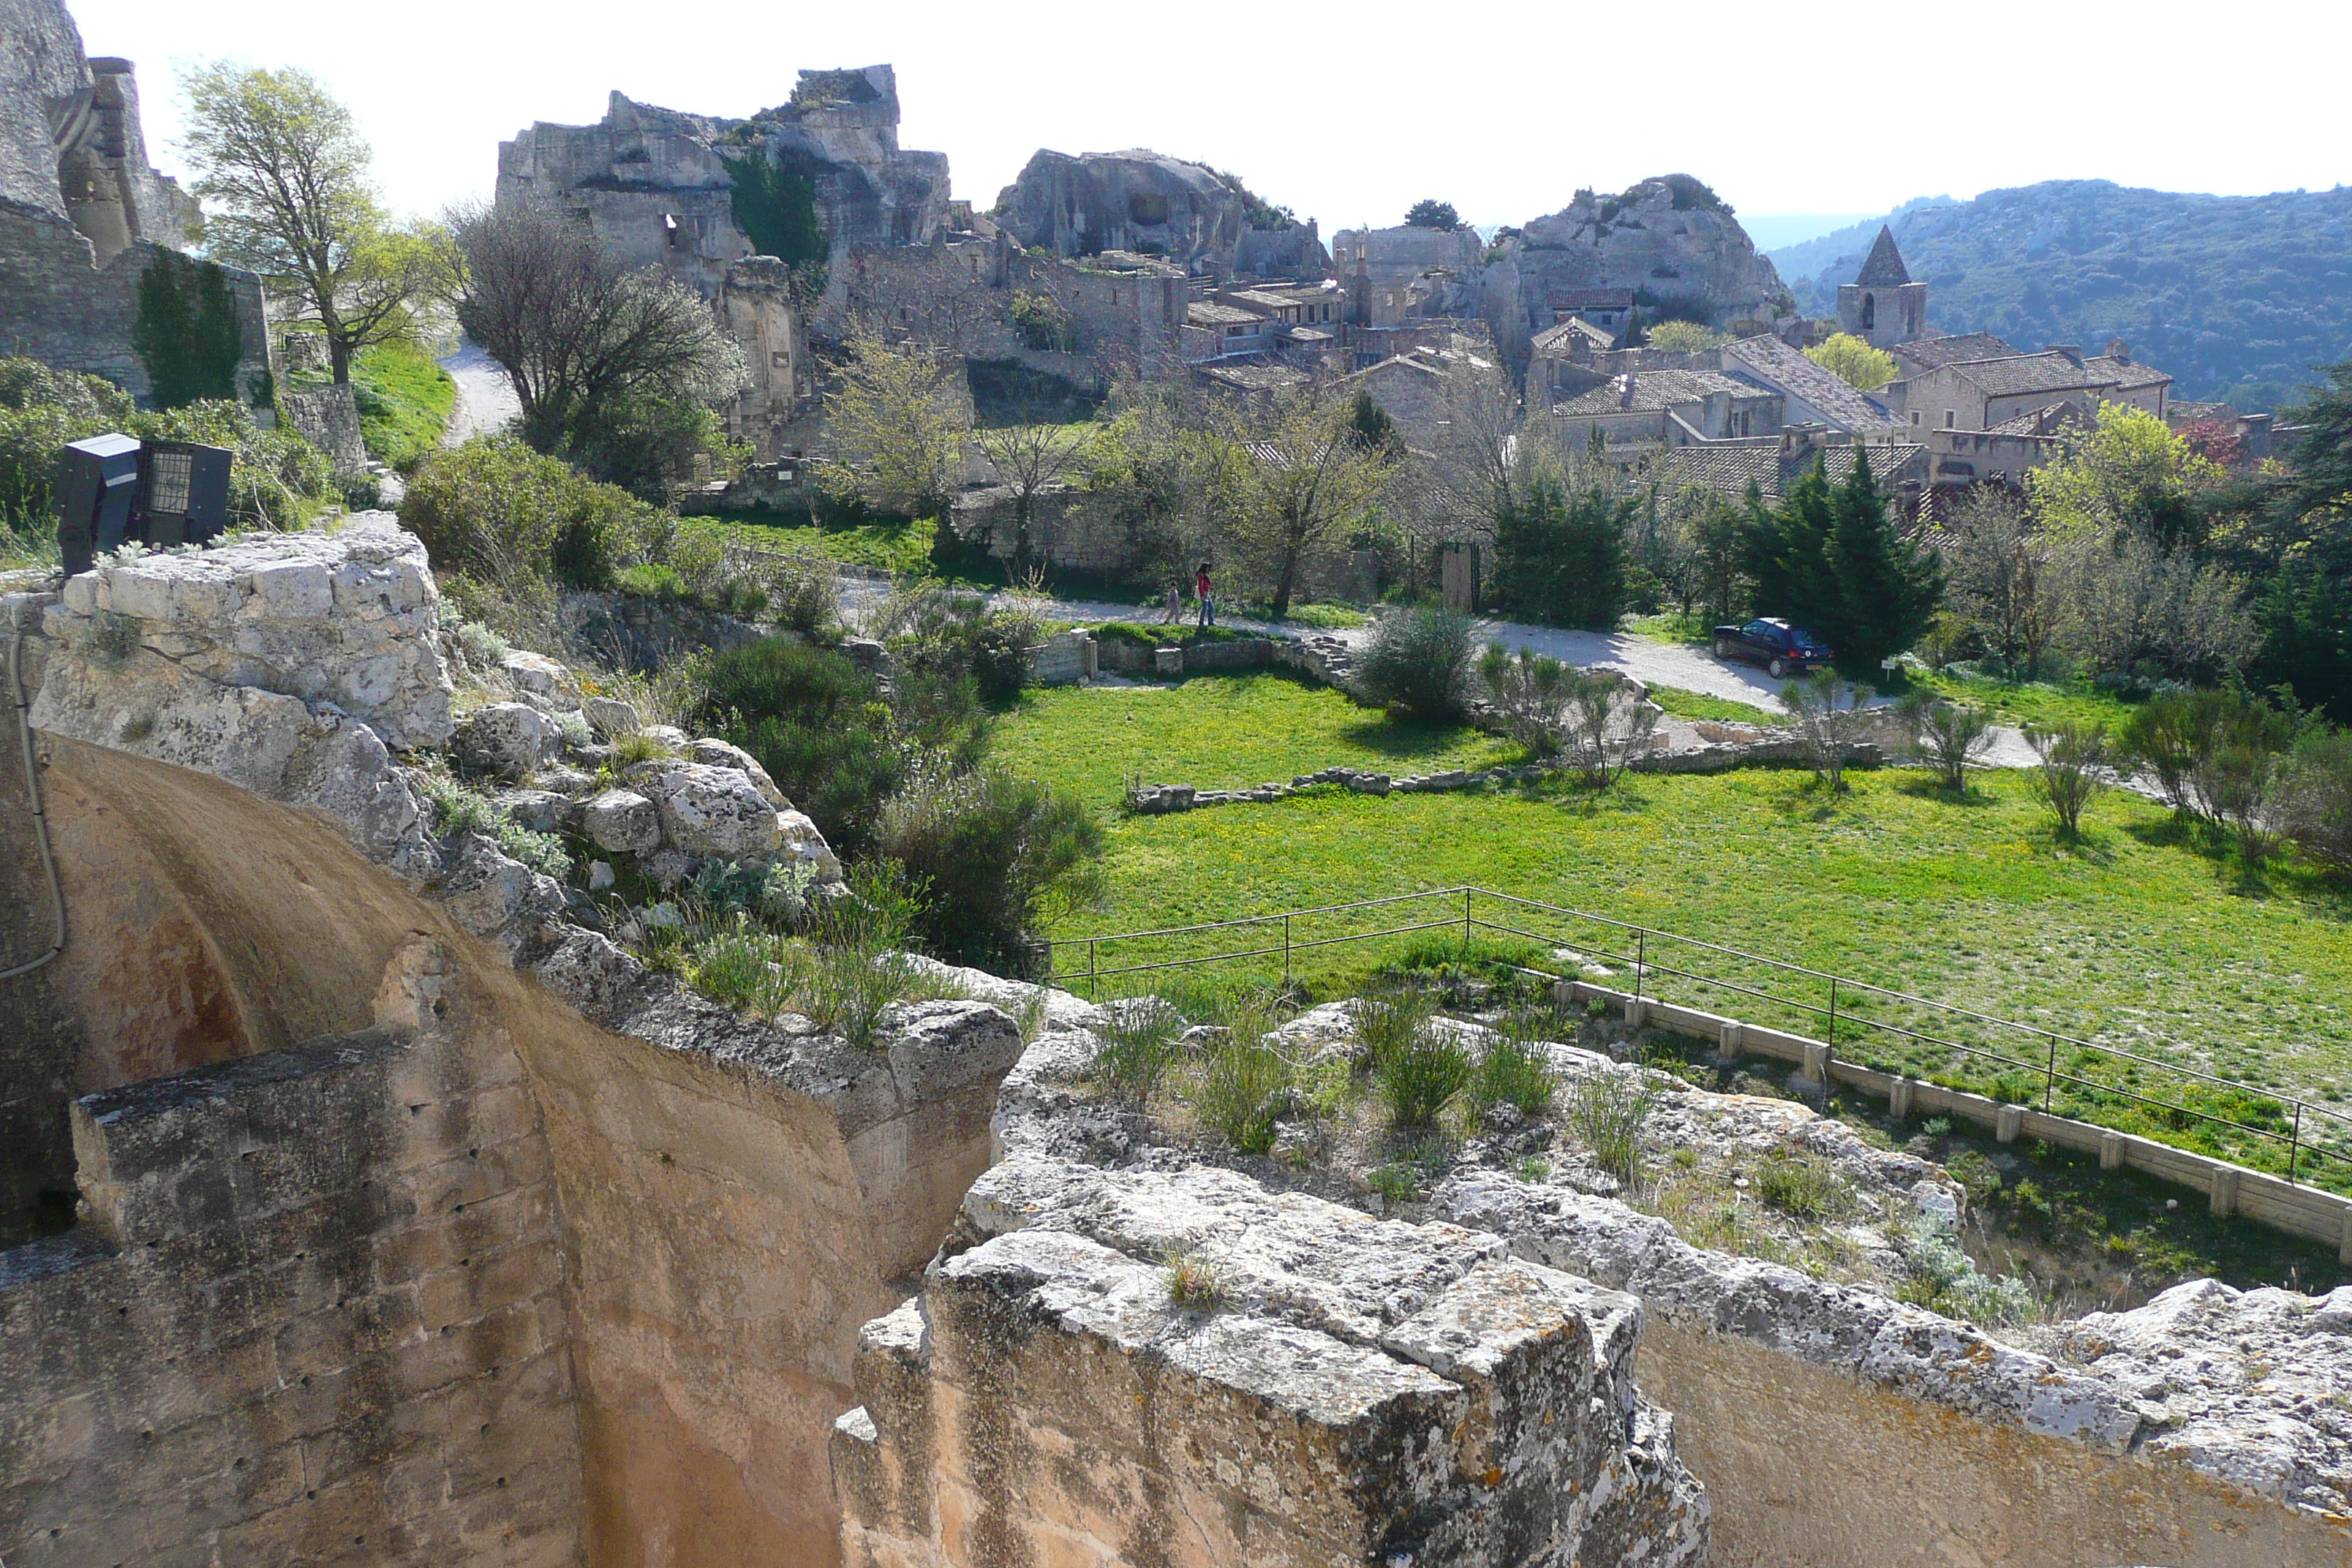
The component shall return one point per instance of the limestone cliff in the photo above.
(1669, 241)
(1154, 205)
(816, 174)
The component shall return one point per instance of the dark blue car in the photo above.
(1781, 649)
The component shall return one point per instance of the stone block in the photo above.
(709, 812)
(610, 717)
(622, 822)
(540, 810)
(719, 754)
(504, 739)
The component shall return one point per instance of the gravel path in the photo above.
(485, 399)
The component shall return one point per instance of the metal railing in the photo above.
(1841, 1006)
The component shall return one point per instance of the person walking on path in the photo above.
(1175, 601)
(1207, 593)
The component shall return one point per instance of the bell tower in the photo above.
(1882, 305)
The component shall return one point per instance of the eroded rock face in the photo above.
(504, 739)
(349, 617)
(709, 812)
(1661, 237)
(1341, 1389)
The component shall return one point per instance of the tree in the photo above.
(1831, 557)
(1853, 361)
(286, 175)
(1433, 214)
(2000, 577)
(896, 438)
(1029, 458)
(2070, 770)
(1687, 337)
(2127, 473)
(1828, 718)
(1947, 736)
(1560, 550)
(590, 346)
(1303, 476)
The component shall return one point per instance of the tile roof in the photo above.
(2015, 374)
(1208, 314)
(2112, 372)
(2046, 420)
(1884, 269)
(1255, 377)
(1729, 471)
(1930, 353)
(1778, 365)
(1591, 299)
(1654, 390)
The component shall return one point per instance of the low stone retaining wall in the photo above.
(2232, 1189)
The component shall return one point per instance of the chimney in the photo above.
(2119, 350)
(2073, 353)
(1625, 390)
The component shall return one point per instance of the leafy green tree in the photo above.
(285, 173)
(1434, 214)
(2128, 472)
(1687, 337)
(1302, 477)
(1853, 361)
(895, 433)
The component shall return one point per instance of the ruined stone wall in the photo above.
(1805, 1464)
(316, 1313)
(57, 305)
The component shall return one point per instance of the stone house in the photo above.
(1213, 329)
(1923, 354)
(84, 217)
(1677, 407)
(1730, 469)
(1979, 395)
(1610, 310)
(1881, 305)
(1811, 394)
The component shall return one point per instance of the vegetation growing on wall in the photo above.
(186, 335)
(775, 206)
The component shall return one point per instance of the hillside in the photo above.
(2237, 296)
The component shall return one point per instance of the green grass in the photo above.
(2031, 702)
(1699, 705)
(2133, 938)
(1220, 732)
(1669, 627)
(405, 400)
(892, 546)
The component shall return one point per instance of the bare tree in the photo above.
(1029, 459)
(2071, 771)
(1829, 719)
(2001, 578)
(1303, 474)
(577, 332)
(1947, 736)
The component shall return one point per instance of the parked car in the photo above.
(1782, 649)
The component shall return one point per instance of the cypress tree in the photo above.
(1887, 588)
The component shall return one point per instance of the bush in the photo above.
(1418, 660)
(1516, 1071)
(1826, 730)
(1560, 553)
(2314, 795)
(1606, 1112)
(1137, 1044)
(1245, 1084)
(820, 727)
(997, 852)
(1947, 736)
(2069, 771)
(496, 509)
(1802, 1186)
(1418, 1080)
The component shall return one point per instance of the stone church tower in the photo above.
(1882, 305)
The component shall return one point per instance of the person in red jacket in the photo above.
(1206, 593)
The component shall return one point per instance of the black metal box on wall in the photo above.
(113, 489)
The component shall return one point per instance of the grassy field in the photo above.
(403, 399)
(2133, 938)
(893, 546)
(2031, 702)
(1699, 705)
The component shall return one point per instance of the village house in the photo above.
(1809, 394)
(1979, 395)
(1610, 310)
(1677, 407)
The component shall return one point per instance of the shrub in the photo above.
(1516, 1069)
(1389, 1020)
(497, 509)
(820, 727)
(1606, 1112)
(1136, 1044)
(1420, 1079)
(1942, 1278)
(1827, 729)
(1607, 724)
(1947, 736)
(996, 850)
(1418, 660)
(1802, 1186)
(1245, 1082)
(2069, 770)
(2314, 795)
(1560, 553)
(1529, 691)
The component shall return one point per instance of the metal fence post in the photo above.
(1832, 1031)
(2049, 1077)
(1286, 952)
(1094, 991)
(1465, 927)
(1641, 960)
(2295, 1144)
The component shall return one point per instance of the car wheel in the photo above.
(1779, 666)
(1722, 648)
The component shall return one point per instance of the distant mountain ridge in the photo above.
(2238, 297)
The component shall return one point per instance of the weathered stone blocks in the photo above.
(709, 812)
(504, 739)
(622, 821)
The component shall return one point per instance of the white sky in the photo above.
(1350, 113)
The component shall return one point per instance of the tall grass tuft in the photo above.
(1606, 1112)
(1245, 1080)
(1138, 1046)
(1516, 1068)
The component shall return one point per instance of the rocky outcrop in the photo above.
(1669, 239)
(1318, 1386)
(656, 185)
(1153, 204)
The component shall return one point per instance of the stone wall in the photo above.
(316, 1313)
(1349, 1390)
(329, 418)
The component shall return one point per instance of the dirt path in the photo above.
(485, 399)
